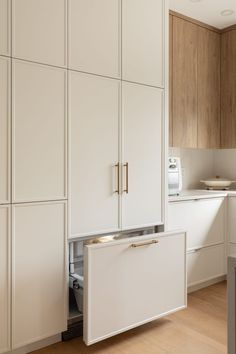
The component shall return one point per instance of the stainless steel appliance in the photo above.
(174, 176)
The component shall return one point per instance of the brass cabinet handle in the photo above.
(148, 243)
(126, 190)
(118, 178)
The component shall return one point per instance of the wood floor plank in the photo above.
(200, 329)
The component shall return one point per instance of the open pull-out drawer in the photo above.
(132, 281)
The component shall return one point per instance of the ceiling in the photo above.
(207, 11)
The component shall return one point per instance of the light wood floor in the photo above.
(200, 329)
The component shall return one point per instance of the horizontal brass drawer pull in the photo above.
(148, 243)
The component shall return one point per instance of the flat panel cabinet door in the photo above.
(142, 178)
(39, 31)
(143, 41)
(94, 36)
(5, 117)
(204, 220)
(39, 295)
(127, 286)
(94, 124)
(231, 219)
(39, 132)
(5, 299)
(5, 27)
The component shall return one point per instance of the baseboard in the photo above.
(206, 283)
(37, 345)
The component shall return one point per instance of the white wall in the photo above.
(197, 164)
(225, 163)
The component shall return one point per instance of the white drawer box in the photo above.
(126, 286)
(204, 221)
(205, 264)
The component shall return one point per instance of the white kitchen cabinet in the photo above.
(205, 264)
(39, 31)
(5, 278)
(39, 132)
(5, 139)
(143, 41)
(39, 295)
(94, 36)
(94, 152)
(203, 219)
(231, 219)
(142, 117)
(5, 27)
(231, 249)
(126, 286)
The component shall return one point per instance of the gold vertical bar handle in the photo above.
(141, 244)
(118, 178)
(126, 190)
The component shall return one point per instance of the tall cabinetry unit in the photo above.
(33, 171)
(117, 125)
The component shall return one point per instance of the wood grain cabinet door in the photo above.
(5, 139)
(5, 27)
(208, 88)
(228, 90)
(39, 295)
(39, 132)
(94, 153)
(39, 29)
(94, 36)
(143, 41)
(185, 41)
(5, 276)
(142, 151)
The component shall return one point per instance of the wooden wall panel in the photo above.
(228, 89)
(208, 88)
(185, 39)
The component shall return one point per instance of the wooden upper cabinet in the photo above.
(5, 27)
(208, 88)
(194, 85)
(143, 41)
(185, 39)
(39, 31)
(94, 36)
(228, 89)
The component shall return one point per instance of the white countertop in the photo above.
(200, 194)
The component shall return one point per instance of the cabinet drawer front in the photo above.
(126, 286)
(202, 219)
(205, 264)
